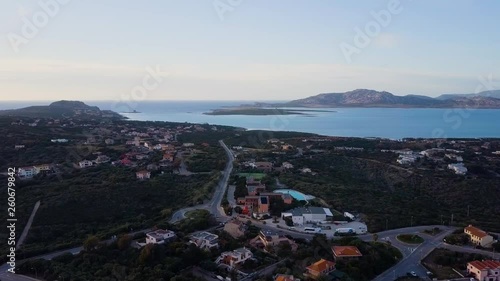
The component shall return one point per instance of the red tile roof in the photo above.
(476, 231)
(482, 265)
(346, 251)
(321, 265)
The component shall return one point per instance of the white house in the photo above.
(287, 165)
(85, 163)
(159, 236)
(235, 257)
(59, 140)
(143, 175)
(302, 215)
(26, 172)
(458, 168)
(205, 240)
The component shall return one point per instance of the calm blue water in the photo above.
(394, 123)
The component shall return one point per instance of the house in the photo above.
(287, 165)
(255, 189)
(263, 207)
(284, 277)
(346, 252)
(188, 144)
(320, 268)
(26, 172)
(478, 236)
(143, 175)
(265, 166)
(234, 258)
(458, 168)
(302, 215)
(109, 141)
(487, 270)
(159, 236)
(286, 147)
(59, 140)
(102, 159)
(168, 157)
(270, 238)
(305, 170)
(205, 240)
(41, 168)
(19, 146)
(235, 228)
(85, 164)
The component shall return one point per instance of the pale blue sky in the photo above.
(257, 50)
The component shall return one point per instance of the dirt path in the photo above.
(28, 226)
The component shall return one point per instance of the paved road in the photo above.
(28, 226)
(230, 195)
(214, 205)
(412, 255)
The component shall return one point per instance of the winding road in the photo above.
(214, 205)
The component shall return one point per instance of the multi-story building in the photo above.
(205, 240)
(478, 236)
(159, 236)
(234, 258)
(485, 270)
(26, 172)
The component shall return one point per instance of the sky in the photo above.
(243, 49)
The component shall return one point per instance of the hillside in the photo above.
(62, 109)
(491, 94)
(372, 98)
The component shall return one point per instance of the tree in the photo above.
(375, 237)
(146, 254)
(124, 242)
(238, 209)
(91, 243)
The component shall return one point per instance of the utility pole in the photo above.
(468, 210)
(411, 223)
(386, 223)
(442, 223)
(451, 219)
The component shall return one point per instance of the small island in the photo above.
(261, 111)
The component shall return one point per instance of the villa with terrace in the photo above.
(234, 258)
(205, 240)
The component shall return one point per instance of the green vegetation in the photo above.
(410, 238)
(433, 231)
(102, 201)
(377, 257)
(104, 263)
(442, 261)
(254, 111)
(255, 176)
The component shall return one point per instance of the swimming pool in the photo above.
(295, 194)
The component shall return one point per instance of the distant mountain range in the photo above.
(372, 98)
(62, 109)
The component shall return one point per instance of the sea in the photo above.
(391, 123)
